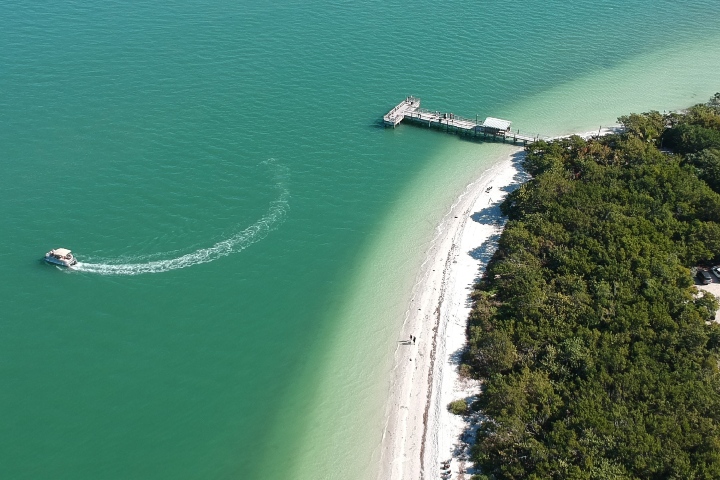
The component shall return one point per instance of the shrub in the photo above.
(465, 371)
(458, 407)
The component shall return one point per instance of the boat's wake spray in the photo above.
(238, 242)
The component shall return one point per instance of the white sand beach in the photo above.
(420, 433)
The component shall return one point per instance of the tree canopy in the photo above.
(596, 351)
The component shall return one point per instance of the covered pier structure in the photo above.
(495, 128)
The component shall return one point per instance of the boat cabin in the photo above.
(62, 253)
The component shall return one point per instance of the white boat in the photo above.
(60, 256)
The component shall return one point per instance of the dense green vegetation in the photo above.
(458, 407)
(595, 349)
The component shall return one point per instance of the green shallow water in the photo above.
(236, 151)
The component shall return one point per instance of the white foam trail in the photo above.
(239, 241)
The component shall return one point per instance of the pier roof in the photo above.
(498, 123)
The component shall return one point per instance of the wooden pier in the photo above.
(498, 129)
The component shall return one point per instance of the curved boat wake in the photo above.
(236, 243)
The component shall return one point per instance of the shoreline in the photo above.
(415, 437)
(419, 432)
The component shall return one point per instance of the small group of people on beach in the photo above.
(445, 471)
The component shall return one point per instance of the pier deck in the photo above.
(396, 115)
(409, 109)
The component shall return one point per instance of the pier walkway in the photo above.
(396, 115)
(409, 109)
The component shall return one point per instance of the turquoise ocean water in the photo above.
(249, 232)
